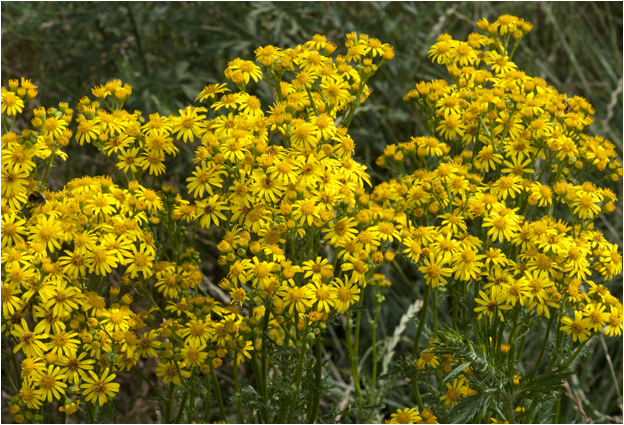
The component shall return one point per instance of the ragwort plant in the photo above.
(495, 208)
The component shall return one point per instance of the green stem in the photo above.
(158, 393)
(435, 313)
(610, 363)
(89, 413)
(377, 308)
(260, 383)
(18, 376)
(318, 372)
(421, 322)
(511, 340)
(354, 369)
(419, 402)
(239, 406)
(265, 359)
(311, 101)
(555, 418)
(182, 405)
(553, 361)
(529, 415)
(358, 321)
(355, 103)
(48, 166)
(257, 373)
(293, 403)
(169, 405)
(208, 401)
(218, 392)
(576, 353)
(189, 414)
(545, 343)
(522, 343)
(415, 346)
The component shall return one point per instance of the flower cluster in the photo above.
(105, 273)
(484, 215)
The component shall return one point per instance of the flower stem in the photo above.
(218, 392)
(189, 413)
(208, 401)
(298, 374)
(434, 295)
(169, 405)
(239, 406)
(318, 372)
(377, 308)
(358, 322)
(576, 353)
(419, 402)
(181, 409)
(545, 343)
(421, 323)
(158, 393)
(511, 340)
(354, 369)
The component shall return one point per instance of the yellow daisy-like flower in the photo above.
(406, 416)
(346, 294)
(189, 123)
(98, 389)
(455, 392)
(490, 303)
(50, 383)
(451, 126)
(47, 232)
(29, 342)
(115, 320)
(210, 91)
(210, 210)
(578, 327)
(296, 298)
(169, 373)
(11, 104)
(434, 270)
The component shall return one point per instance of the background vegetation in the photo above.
(169, 51)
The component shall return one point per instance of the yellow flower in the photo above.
(296, 298)
(454, 392)
(211, 91)
(141, 261)
(129, 160)
(194, 356)
(50, 384)
(169, 373)
(97, 390)
(205, 177)
(189, 123)
(434, 270)
(115, 320)
(210, 210)
(345, 294)
(29, 342)
(405, 416)
(63, 344)
(491, 303)
(197, 332)
(10, 303)
(323, 295)
(579, 327)
(74, 365)
(451, 126)
(11, 103)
